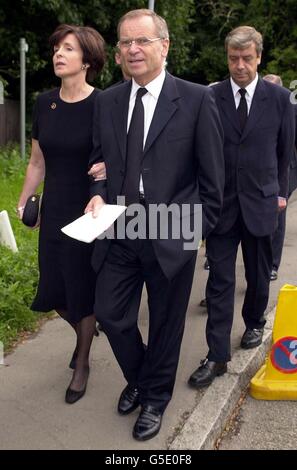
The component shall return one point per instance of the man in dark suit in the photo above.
(180, 162)
(279, 235)
(258, 123)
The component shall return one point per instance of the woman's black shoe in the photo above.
(72, 396)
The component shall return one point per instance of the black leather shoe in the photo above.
(252, 338)
(206, 265)
(148, 423)
(273, 275)
(98, 328)
(129, 400)
(206, 373)
(203, 303)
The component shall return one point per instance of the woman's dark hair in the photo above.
(91, 43)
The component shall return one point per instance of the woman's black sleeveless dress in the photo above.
(64, 132)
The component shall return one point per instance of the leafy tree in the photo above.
(36, 20)
(197, 30)
(275, 19)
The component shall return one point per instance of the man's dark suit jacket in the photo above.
(257, 160)
(293, 162)
(182, 161)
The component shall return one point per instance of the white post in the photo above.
(23, 50)
(151, 5)
(1, 93)
(1, 354)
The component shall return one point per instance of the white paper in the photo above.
(86, 228)
(6, 233)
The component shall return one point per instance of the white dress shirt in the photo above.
(149, 101)
(250, 90)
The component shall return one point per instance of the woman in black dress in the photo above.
(61, 145)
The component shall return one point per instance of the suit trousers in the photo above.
(278, 239)
(222, 252)
(128, 265)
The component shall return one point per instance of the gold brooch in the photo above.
(53, 105)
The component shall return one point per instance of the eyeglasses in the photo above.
(140, 42)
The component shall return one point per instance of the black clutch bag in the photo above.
(31, 214)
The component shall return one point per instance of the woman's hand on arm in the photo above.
(98, 171)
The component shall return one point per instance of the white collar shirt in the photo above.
(250, 90)
(149, 101)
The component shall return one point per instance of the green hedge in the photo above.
(18, 271)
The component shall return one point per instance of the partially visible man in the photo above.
(162, 143)
(258, 124)
(279, 235)
(272, 78)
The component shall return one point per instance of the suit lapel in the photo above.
(164, 110)
(259, 104)
(119, 112)
(228, 104)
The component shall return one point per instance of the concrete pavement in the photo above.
(33, 382)
(265, 424)
(257, 424)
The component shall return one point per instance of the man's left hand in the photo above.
(98, 171)
(282, 203)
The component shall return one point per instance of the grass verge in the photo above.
(18, 271)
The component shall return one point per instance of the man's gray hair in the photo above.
(159, 22)
(243, 37)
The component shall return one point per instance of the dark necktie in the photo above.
(242, 109)
(134, 150)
